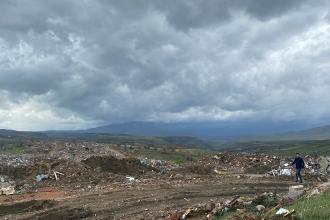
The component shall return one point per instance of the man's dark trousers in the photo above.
(298, 175)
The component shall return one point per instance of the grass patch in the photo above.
(178, 156)
(179, 161)
(225, 215)
(13, 148)
(284, 148)
(314, 208)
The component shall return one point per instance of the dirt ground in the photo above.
(151, 199)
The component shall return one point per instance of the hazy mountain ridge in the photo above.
(317, 133)
(206, 131)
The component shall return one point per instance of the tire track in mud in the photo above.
(130, 204)
(152, 201)
(176, 199)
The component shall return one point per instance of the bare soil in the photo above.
(148, 199)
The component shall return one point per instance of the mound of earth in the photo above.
(127, 166)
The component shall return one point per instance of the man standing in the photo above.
(300, 164)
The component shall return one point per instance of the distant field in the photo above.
(319, 147)
(178, 155)
(11, 141)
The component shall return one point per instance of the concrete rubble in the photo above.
(296, 191)
(162, 165)
(260, 208)
(7, 186)
(41, 177)
(324, 165)
(285, 172)
(282, 211)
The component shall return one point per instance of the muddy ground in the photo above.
(151, 199)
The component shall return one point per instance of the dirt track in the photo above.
(153, 200)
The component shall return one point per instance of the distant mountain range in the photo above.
(219, 131)
(204, 130)
(318, 133)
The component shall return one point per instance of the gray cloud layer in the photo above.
(73, 64)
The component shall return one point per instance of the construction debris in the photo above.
(296, 191)
(9, 190)
(282, 211)
(130, 178)
(314, 192)
(285, 172)
(233, 201)
(324, 163)
(7, 186)
(186, 213)
(56, 175)
(260, 208)
(289, 213)
(41, 177)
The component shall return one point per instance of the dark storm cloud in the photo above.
(187, 14)
(71, 64)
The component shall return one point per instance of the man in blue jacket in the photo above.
(300, 164)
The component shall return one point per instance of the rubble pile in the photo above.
(208, 210)
(7, 186)
(127, 166)
(162, 166)
(241, 163)
(240, 205)
(266, 206)
(265, 164)
(75, 150)
(45, 161)
(314, 166)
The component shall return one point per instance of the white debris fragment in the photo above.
(56, 174)
(9, 190)
(285, 172)
(296, 191)
(282, 211)
(130, 178)
(41, 177)
(260, 208)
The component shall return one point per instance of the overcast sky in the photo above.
(70, 64)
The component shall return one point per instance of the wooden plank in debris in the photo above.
(57, 173)
(289, 213)
(233, 201)
(186, 213)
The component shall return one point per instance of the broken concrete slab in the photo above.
(282, 211)
(285, 172)
(260, 208)
(324, 164)
(296, 191)
(9, 190)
